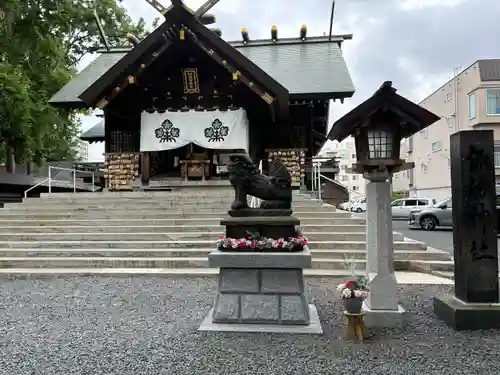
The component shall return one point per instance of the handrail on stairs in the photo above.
(49, 179)
(316, 182)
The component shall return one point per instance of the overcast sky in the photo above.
(416, 44)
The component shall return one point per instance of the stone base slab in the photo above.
(460, 315)
(261, 296)
(384, 318)
(222, 259)
(314, 326)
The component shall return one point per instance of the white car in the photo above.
(401, 208)
(359, 205)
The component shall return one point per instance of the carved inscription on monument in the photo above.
(477, 210)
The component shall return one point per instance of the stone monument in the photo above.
(261, 258)
(475, 304)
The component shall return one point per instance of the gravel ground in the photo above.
(142, 326)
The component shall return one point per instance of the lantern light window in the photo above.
(380, 144)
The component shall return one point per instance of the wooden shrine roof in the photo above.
(313, 68)
(94, 134)
(415, 116)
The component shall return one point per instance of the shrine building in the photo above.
(177, 103)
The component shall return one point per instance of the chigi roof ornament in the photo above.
(200, 14)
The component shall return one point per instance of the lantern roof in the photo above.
(413, 117)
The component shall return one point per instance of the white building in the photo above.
(82, 150)
(469, 101)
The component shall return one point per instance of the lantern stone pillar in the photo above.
(381, 307)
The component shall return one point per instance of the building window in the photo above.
(436, 146)
(497, 157)
(425, 169)
(472, 106)
(354, 188)
(354, 177)
(424, 133)
(493, 102)
(449, 120)
(448, 97)
(353, 156)
(345, 178)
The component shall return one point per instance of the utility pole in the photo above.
(456, 72)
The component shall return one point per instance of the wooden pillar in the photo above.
(145, 167)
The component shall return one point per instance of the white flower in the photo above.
(340, 287)
(346, 293)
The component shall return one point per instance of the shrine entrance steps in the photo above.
(158, 232)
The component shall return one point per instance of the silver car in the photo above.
(439, 215)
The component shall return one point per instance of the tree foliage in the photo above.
(41, 44)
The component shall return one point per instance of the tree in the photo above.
(45, 40)
(15, 112)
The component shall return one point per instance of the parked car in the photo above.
(401, 208)
(359, 205)
(347, 205)
(440, 215)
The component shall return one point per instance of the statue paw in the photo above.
(238, 205)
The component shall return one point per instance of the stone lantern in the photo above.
(378, 125)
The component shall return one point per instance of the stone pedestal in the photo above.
(381, 307)
(271, 226)
(475, 304)
(261, 292)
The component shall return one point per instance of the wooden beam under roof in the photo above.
(132, 78)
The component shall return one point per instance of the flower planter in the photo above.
(247, 249)
(255, 243)
(353, 305)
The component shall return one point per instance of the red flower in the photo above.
(242, 244)
(350, 283)
(221, 237)
(250, 237)
(252, 245)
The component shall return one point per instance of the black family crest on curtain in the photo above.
(167, 132)
(217, 131)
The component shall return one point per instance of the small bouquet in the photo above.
(353, 289)
(353, 292)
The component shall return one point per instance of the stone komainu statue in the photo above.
(274, 190)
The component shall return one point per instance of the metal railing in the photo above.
(49, 179)
(317, 187)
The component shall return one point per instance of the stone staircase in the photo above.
(166, 233)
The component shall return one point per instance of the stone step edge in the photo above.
(216, 234)
(188, 250)
(211, 219)
(403, 277)
(19, 227)
(145, 214)
(189, 258)
(180, 241)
